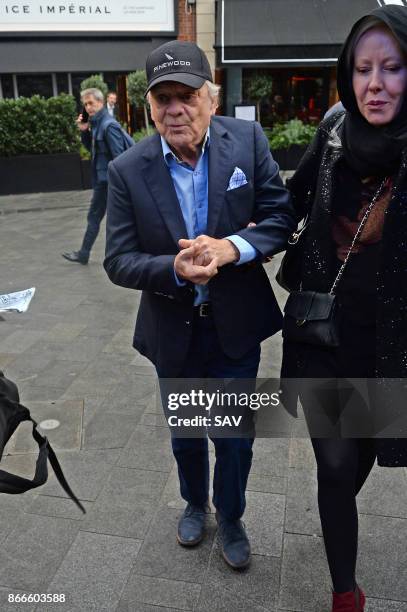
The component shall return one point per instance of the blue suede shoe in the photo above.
(191, 525)
(235, 543)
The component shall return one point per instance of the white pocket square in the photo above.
(238, 179)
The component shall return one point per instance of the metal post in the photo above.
(70, 91)
(54, 84)
(15, 86)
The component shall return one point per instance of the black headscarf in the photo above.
(372, 150)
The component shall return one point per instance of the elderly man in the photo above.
(179, 207)
(104, 138)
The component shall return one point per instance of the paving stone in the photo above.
(112, 380)
(127, 503)
(6, 359)
(121, 342)
(64, 332)
(45, 505)
(110, 429)
(19, 341)
(171, 495)
(302, 514)
(161, 555)
(93, 573)
(30, 394)
(28, 366)
(384, 493)
(33, 550)
(270, 457)
(267, 484)
(259, 584)
(7, 519)
(86, 472)
(149, 448)
(59, 374)
(305, 581)
(215, 598)
(85, 349)
(161, 592)
(66, 436)
(301, 454)
(383, 557)
(264, 519)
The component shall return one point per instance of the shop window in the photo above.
(32, 84)
(7, 86)
(62, 82)
(296, 93)
(110, 78)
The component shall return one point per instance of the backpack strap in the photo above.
(13, 484)
(12, 414)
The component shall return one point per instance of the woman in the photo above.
(356, 156)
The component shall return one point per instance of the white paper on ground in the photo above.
(18, 301)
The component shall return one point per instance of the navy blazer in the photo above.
(145, 222)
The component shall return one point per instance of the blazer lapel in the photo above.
(220, 170)
(159, 182)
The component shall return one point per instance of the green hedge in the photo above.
(30, 126)
(293, 132)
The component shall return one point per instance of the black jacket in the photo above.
(312, 188)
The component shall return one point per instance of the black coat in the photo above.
(312, 188)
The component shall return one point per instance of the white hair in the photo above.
(213, 90)
(93, 91)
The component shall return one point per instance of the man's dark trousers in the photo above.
(206, 359)
(97, 211)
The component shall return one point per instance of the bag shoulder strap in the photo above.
(13, 484)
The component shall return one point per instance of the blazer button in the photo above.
(187, 322)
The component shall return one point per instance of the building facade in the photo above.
(46, 49)
(49, 47)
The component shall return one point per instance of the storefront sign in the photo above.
(87, 16)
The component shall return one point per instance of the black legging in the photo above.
(343, 463)
(343, 466)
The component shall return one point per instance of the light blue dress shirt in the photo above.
(191, 186)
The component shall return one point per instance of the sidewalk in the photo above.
(72, 358)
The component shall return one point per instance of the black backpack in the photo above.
(12, 413)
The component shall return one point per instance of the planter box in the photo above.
(40, 173)
(288, 159)
(86, 170)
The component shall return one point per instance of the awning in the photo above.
(286, 32)
(75, 55)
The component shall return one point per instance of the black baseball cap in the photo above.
(180, 61)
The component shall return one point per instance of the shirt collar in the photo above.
(169, 154)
